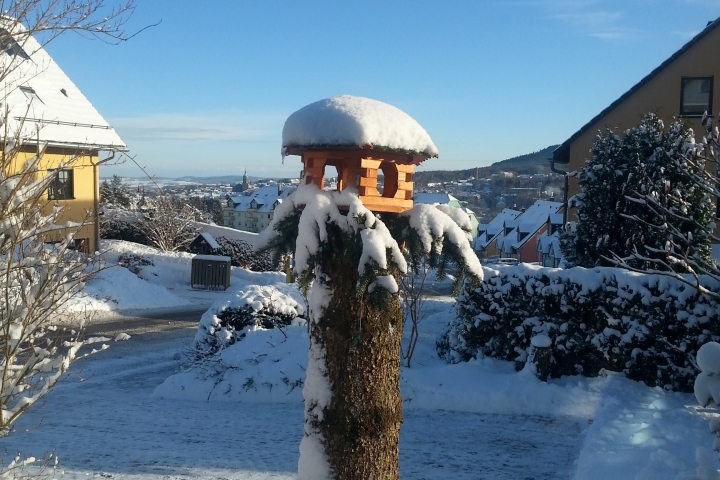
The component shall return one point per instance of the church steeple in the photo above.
(246, 181)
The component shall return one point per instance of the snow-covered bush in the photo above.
(647, 326)
(243, 255)
(229, 320)
(133, 261)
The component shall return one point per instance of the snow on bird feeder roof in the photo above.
(359, 136)
(348, 121)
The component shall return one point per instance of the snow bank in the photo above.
(349, 121)
(171, 270)
(267, 366)
(116, 288)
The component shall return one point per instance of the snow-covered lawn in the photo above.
(466, 421)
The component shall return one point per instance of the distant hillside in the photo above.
(536, 162)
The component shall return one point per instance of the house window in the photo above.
(61, 188)
(696, 96)
(31, 94)
(81, 245)
(10, 46)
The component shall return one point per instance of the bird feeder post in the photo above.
(353, 407)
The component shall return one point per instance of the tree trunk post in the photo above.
(353, 408)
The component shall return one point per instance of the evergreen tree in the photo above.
(115, 192)
(669, 208)
(601, 183)
(641, 200)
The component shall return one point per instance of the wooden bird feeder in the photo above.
(358, 168)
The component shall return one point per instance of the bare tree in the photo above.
(412, 288)
(169, 224)
(421, 261)
(40, 270)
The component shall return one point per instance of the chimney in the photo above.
(522, 210)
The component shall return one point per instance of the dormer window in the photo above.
(696, 96)
(10, 46)
(30, 93)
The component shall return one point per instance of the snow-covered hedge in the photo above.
(647, 326)
(243, 255)
(126, 228)
(256, 307)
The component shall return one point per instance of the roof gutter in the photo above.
(565, 189)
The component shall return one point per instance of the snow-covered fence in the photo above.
(647, 326)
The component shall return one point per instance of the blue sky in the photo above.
(208, 90)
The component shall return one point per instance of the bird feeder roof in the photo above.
(348, 122)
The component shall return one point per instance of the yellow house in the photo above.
(681, 87)
(46, 110)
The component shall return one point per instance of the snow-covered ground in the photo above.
(123, 413)
(619, 428)
(164, 285)
(133, 412)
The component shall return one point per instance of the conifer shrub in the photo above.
(228, 322)
(134, 262)
(646, 326)
(243, 255)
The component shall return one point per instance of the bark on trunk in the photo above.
(358, 334)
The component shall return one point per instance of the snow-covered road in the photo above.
(108, 426)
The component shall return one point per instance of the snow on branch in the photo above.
(436, 229)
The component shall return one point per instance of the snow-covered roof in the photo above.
(433, 198)
(526, 225)
(531, 220)
(210, 240)
(217, 258)
(496, 226)
(37, 91)
(548, 244)
(265, 197)
(348, 121)
(218, 231)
